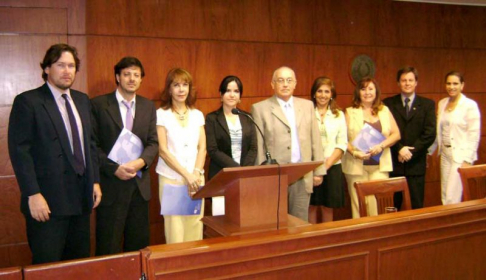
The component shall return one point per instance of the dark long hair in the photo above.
(226, 81)
(320, 81)
(455, 73)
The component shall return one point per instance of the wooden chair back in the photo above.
(384, 191)
(473, 182)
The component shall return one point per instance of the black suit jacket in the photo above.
(418, 131)
(107, 125)
(41, 154)
(218, 142)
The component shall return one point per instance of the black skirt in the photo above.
(331, 192)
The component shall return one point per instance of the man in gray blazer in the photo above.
(292, 135)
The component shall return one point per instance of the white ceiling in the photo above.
(451, 2)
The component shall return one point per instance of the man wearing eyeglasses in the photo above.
(292, 135)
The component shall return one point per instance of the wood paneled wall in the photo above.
(251, 38)
(27, 29)
(247, 38)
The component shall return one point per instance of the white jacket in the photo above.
(465, 129)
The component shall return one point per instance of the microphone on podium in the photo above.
(269, 160)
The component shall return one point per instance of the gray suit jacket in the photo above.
(275, 127)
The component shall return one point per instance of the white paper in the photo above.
(218, 205)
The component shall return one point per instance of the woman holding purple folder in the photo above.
(359, 165)
(182, 151)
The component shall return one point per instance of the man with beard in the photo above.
(123, 215)
(49, 141)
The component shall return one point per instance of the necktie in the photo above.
(129, 116)
(407, 107)
(77, 151)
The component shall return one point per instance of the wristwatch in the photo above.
(201, 171)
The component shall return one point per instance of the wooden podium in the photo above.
(252, 198)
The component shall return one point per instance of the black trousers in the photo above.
(123, 226)
(416, 187)
(60, 238)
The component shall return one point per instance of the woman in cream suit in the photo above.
(458, 125)
(332, 127)
(358, 165)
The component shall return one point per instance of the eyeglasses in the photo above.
(283, 81)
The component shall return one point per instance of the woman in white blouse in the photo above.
(458, 127)
(182, 150)
(332, 127)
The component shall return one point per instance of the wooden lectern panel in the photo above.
(256, 197)
(266, 199)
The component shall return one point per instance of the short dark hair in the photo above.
(128, 61)
(54, 53)
(455, 73)
(175, 75)
(406, 70)
(223, 87)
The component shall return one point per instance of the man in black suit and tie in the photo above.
(49, 141)
(415, 117)
(123, 214)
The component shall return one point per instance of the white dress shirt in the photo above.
(123, 108)
(289, 111)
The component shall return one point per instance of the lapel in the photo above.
(246, 134)
(113, 110)
(297, 111)
(398, 104)
(53, 111)
(140, 112)
(415, 106)
(358, 117)
(222, 121)
(277, 110)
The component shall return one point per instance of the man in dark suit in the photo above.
(123, 213)
(49, 141)
(415, 117)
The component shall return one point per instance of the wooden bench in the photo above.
(11, 273)
(441, 242)
(119, 266)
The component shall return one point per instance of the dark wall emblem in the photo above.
(362, 66)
